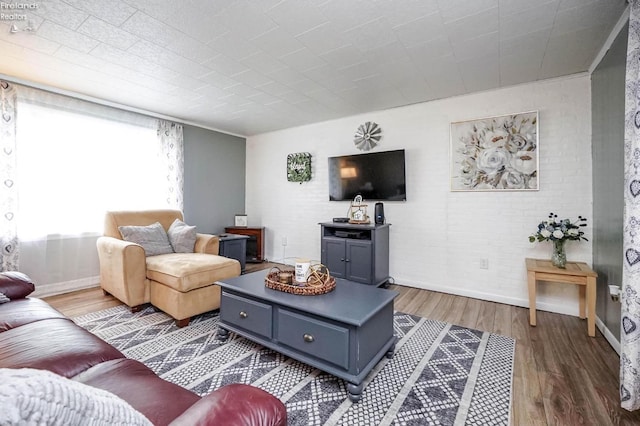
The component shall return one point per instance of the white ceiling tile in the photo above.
(527, 22)
(107, 33)
(263, 98)
(114, 12)
(159, 9)
(519, 67)
(60, 12)
(533, 44)
(133, 62)
(347, 15)
(191, 48)
(286, 75)
(66, 37)
(305, 86)
(480, 73)
(263, 63)
(472, 26)
(515, 7)
(425, 53)
(371, 36)
(234, 47)
(293, 97)
(274, 88)
(218, 80)
(483, 46)
(582, 17)
(302, 59)
(242, 90)
(420, 30)
(200, 25)
(342, 56)
(225, 65)
(252, 78)
(296, 16)
(277, 43)
(415, 90)
(154, 53)
(403, 12)
(144, 26)
(322, 39)
(243, 20)
(453, 10)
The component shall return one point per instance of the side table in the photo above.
(234, 247)
(575, 273)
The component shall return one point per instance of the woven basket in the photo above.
(319, 281)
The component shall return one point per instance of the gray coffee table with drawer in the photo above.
(345, 332)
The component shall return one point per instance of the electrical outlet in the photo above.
(284, 241)
(484, 263)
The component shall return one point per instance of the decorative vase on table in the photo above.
(559, 256)
(559, 231)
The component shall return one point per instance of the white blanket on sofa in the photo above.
(39, 397)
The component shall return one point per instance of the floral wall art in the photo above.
(495, 153)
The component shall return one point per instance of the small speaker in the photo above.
(379, 213)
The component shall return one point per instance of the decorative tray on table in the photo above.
(319, 281)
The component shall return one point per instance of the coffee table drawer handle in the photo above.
(243, 314)
(308, 338)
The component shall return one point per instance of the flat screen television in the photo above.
(375, 176)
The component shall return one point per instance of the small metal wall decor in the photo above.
(358, 211)
(299, 167)
(367, 136)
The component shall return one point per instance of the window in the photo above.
(72, 167)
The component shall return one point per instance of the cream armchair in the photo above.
(180, 284)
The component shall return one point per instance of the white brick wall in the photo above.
(438, 237)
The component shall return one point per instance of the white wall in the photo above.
(437, 236)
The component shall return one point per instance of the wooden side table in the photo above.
(575, 273)
(255, 243)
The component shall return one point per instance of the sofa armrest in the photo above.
(123, 270)
(235, 405)
(207, 243)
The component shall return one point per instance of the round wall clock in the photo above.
(367, 136)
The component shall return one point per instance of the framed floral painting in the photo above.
(495, 154)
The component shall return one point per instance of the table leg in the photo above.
(223, 334)
(531, 276)
(591, 306)
(355, 391)
(582, 296)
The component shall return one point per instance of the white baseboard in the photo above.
(558, 308)
(66, 286)
(615, 344)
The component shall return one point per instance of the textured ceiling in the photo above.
(253, 66)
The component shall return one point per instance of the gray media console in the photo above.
(357, 253)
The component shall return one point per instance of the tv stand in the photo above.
(355, 252)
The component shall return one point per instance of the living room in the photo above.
(465, 243)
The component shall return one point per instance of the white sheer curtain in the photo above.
(8, 187)
(73, 167)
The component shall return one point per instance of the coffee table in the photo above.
(345, 332)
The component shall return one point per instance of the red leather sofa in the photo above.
(35, 335)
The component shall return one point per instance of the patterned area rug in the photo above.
(441, 374)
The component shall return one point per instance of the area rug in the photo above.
(441, 374)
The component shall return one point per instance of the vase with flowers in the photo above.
(559, 232)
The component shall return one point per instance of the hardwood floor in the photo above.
(561, 376)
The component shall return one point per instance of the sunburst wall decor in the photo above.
(367, 136)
